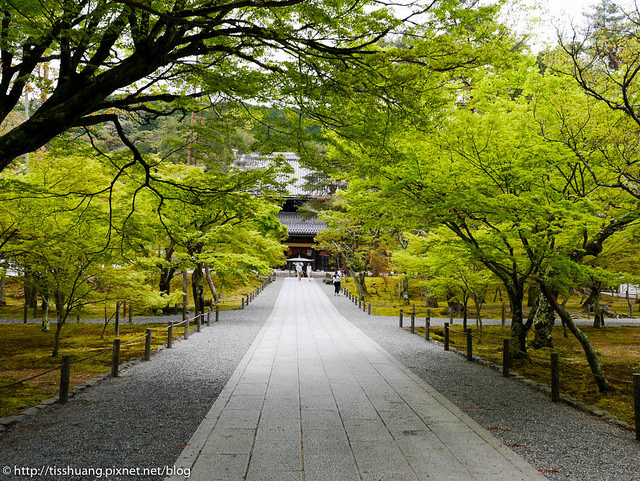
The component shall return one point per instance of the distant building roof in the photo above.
(299, 225)
(295, 188)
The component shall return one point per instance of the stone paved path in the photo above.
(316, 399)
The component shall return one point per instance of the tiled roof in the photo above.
(298, 225)
(295, 188)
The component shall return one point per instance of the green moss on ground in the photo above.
(618, 349)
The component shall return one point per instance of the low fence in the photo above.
(188, 325)
(504, 347)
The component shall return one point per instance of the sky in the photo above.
(562, 14)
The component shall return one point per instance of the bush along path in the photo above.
(143, 418)
(560, 441)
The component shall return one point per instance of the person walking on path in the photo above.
(336, 283)
(309, 270)
(299, 270)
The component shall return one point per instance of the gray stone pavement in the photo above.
(316, 399)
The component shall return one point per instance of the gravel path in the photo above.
(562, 442)
(145, 417)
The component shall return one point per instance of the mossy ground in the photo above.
(618, 349)
(26, 351)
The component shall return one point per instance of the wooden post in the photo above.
(446, 336)
(198, 322)
(400, 319)
(413, 322)
(555, 377)
(469, 345)
(242, 303)
(506, 358)
(636, 402)
(369, 309)
(186, 329)
(65, 374)
(170, 336)
(147, 345)
(217, 313)
(117, 323)
(427, 326)
(209, 317)
(115, 358)
(359, 303)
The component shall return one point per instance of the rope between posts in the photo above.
(30, 378)
(74, 361)
(91, 356)
(565, 366)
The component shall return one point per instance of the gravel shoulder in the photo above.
(144, 418)
(560, 441)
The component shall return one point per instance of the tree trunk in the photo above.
(404, 293)
(60, 318)
(543, 322)
(46, 326)
(185, 289)
(598, 311)
(518, 342)
(198, 288)
(430, 301)
(358, 281)
(166, 275)
(3, 279)
(212, 288)
(587, 347)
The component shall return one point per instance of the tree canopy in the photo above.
(85, 61)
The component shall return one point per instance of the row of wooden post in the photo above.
(362, 304)
(65, 370)
(506, 362)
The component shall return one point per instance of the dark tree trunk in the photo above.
(166, 274)
(543, 322)
(519, 331)
(404, 291)
(358, 280)
(197, 287)
(587, 347)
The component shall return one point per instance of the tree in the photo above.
(108, 56)
(200, 230)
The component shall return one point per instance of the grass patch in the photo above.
(617, 347)
(26, 351)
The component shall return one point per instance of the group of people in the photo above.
(300, 269)
(337, 276)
